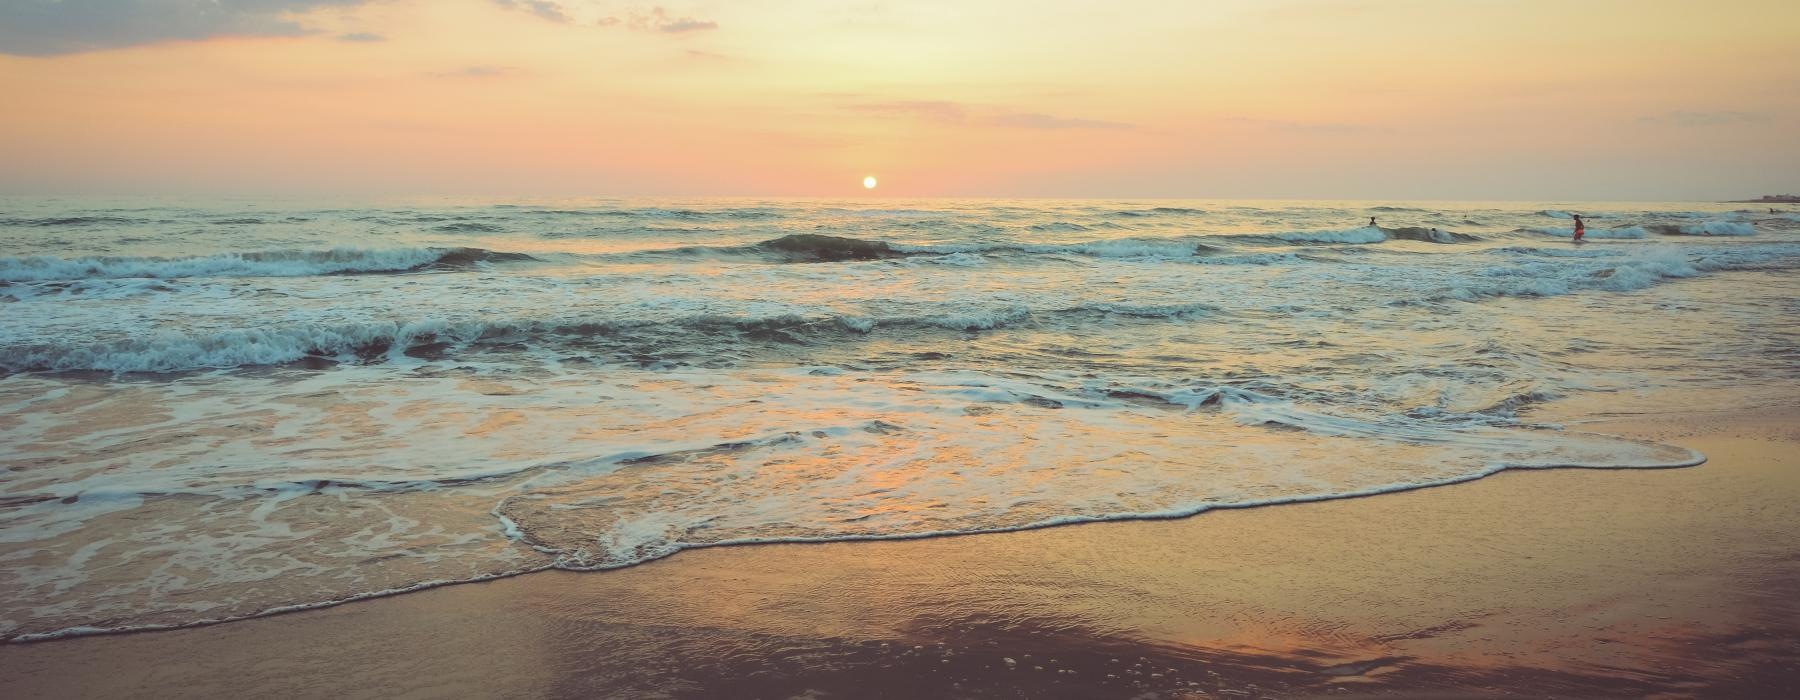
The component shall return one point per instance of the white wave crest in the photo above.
(1366, 234)
(281, 263)
(1718, 228)
(1627, 232)
(1120, 248)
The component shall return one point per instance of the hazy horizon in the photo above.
(506, 198)
(1297, 100)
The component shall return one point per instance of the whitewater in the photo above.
(217, 410)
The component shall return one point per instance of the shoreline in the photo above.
(1278, 602)
(1697, 459)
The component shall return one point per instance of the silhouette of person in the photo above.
(1372, 222)
(1580, 228)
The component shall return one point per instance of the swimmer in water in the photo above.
(1372, 222)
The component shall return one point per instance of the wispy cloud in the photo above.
(1682, 118)
(44, 28)
(1295, 127)
(1033, 120)
(931, 110)
(957, 113)
(546, 9)
(657, 19)
(361, 37)
(478, 72)
(687, 24)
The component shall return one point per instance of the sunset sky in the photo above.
(1390, 99)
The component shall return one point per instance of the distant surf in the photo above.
(276, 263)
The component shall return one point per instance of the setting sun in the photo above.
(869, 182)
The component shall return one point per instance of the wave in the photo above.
(1546, 278)
(536, 518)
(1429, 235)
(822, 248)
(1627, 232)
(654, 526)
(697, 214)
(55, 221)
(1159, 248)
(1365, 234)
(812, 247)
(1709, 228)
(736, 213)
(826, 248)
(469, 227)
(1158, 211)
(1059, 226)
(278, 263)
(321, 346)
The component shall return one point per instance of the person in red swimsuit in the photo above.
(1580, 228)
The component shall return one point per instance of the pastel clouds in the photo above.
(948, 112)
(546, 9)
(657, 19)
(52, 27)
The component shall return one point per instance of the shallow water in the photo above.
(214, 411)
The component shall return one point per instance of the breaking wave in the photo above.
(1614, 233)
(470, 227)
(55, 221)
(810, 247)
(1429, 235)
(279, 263)
(1158, 211)
(324, 345)
(1365, 234)
(1709, 228)
(821, 248)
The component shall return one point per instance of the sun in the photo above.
(869, 182)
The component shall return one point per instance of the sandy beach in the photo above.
(1568, 583)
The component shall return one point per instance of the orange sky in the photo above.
(1571, 99)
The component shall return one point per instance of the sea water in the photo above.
(216, 410)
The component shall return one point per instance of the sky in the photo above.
(1364, 99)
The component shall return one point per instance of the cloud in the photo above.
(1680, 118)
(1032, 120)
(955, 113)
(52, 27)
(1293, 127)
(686, 24)
(546, 9)
(477, 72)
(657, 19)
(930, 110)
(361, 37)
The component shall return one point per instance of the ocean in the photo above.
(216, 410)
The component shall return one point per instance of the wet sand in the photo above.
(1572, 583)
